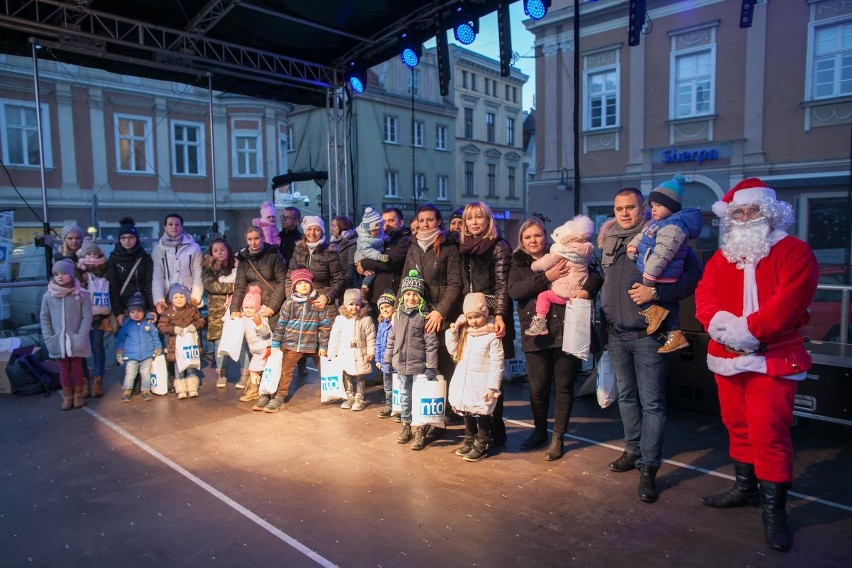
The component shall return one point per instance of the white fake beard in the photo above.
(746, 242)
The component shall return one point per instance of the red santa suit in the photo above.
(753, 313)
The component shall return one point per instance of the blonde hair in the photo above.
(533, 222)
(490, 231)
(460, 345)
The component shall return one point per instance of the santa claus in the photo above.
(752, 300)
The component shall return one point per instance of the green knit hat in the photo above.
(669, 194)
(415, 283)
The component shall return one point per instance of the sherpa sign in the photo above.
(692, 155)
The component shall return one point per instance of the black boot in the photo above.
(537, 439)
(775, 515)
(647, 484)
(555, 449)
(743, 493)
(420, 438)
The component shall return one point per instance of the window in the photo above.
(832, 63)
(508, 93)
(468, 123)
(473, 81)
(440, 137)
(464, 79)
(487, 86)
(417, 133)
(134, 144)
(468, 179)
(492, 180)
(19, 134)
(510, 131)
(391, 183)
(511, 183)
(602, 99)
(391, 129)
(489, 126)
(693, 68)
(187, 148)
(443, 187)
(414, 81)
(514, 94)
(247, 153)
(420, 185)
(285, 136)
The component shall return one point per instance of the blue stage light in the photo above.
(536, 9)
(356, 77)
(465, 31)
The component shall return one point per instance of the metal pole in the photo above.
(576, 107)
(48, 249)
(212, 150)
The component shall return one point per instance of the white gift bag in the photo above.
(428, 400)
(396, 406)
(231, 342)
(331, 380)
(187, 352)
(577, 332)
(160, 375)
(98, 289)
(606, 388)
(271, 373)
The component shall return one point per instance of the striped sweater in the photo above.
(302, 327)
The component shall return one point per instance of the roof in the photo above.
(274, 49)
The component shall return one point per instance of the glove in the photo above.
(158, 352)
(190, 328)
(431, 374)
(178, 330)
(276, 344)
(119, 357)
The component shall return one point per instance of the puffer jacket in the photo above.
(258, 338)
(181, 317)
(217, 294)
(410, 350)
(389, 274)
(443, 276)
(382, 333)
(302, 327)
(65, 324)
(137, 340)
(181, 265)
(119, 264)
(255, 267)
(479, 370)
(324, 264)
(662, 245)
(353, 340)
(345, 248)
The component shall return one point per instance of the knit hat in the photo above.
(128, 227)
(137, 302)
(371, 219)
(387, 297)
(669, 194)
(415, 283)
(748, 191)
(313, 221)
(252, 300)
(300, 274)
(178, 289)
(353, 295)
(267, 209)
(457, 214)
(65, 266)
(72, 227)
(89, 246)
(476, 303)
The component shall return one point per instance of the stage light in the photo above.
(410, 52)
(465, 29)
(536, 9)
(356, 77)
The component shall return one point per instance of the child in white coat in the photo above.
(475, 387)
(353, 339)
(258, 336)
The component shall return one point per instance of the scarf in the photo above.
(169, 242)
(482, 330)
(477, 245)
(57, 291)
(427, 238)
(312, 247)
(302, 298)
(87, 263)
(612, 236)
(122, 253)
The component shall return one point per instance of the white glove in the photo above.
(190, 328)
(178, 330)
(730, 330)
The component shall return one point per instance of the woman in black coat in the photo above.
(547, 365)
(314, 254)
(120, 269)
(259, 265)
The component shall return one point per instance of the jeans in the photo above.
(387, 383)
(245, 357)
(131, 368)
(406, 383)
(640, 373)
(96, 337)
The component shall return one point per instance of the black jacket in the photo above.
(324, 264)
(489, 273)
(389, 274)
(289, 240)
(269, 264)
(442, 273)
(119, 263)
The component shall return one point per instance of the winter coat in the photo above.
(302, 327)
(389, 274)
(66, 323)
(382, 333)
(217, 294)
(324, 264)
(289, 240)
(181, 265)
(181, 317)
(353, 340)
(578, 255)
(661, 246)
(137, 340)
(410, 350)
(479, 370)
(368, 246)
(524, 287)
(258, 338)
(270, 231)
(119, 264)
(345, 249)
(443, 276)
(255, 267)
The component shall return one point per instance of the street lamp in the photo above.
(563, 180)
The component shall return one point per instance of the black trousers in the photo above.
(551, 369)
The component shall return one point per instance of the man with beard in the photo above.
(752, 301)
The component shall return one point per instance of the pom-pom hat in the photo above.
(415, 283)
(127, 227)
(300, 274)
(89, 246)
(475, 303)
(137, 302)
(669, 194)
(748, 191)
(267, 209)
(371, 219)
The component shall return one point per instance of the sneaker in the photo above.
(274, 405)
(475, 454)
(397, 417)
(654, 317)
(358, 404)
(181, 395)
(221, 382)
(126, 395)
(261, 402)
(193, 394)
(674, 340)
(537, 327)
(465, 449)
(347, 402)
(385, 413)
(626, 462)
(146, 395)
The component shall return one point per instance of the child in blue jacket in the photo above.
(136, 345)
(387, 306)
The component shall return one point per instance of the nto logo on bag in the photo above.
(329, 383)
(191, 351)
(432, 406)
(100, 299)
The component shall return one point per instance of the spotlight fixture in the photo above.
(536, 9)
(356, 77)
(410, 52)
(465, 28)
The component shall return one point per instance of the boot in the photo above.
(534, 440)
(555, 449)
(261, 402)
(647, 484)
(537, 327)
(479, 450)
(221, 378)
(386, 412)
(654, 317)
(626, 462)
(348, 401)
(404, 434)
(78, 395)
(775, 529)
(420, 438)
(87, 392)
(97, 386)
(126, 395)
(674, 340)
(359, 402)
(241, 382)
(180, 388)
(67, 398)
(743, 493)
(252, 391)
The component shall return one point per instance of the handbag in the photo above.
(271, 373)
(233, 333)
(396, 405)
(428, 400)
(577, 331)
(160, 375)
(187, 353)
(331, 380)
(605, 386)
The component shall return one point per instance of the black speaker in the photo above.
(826, 393)
(690, 385)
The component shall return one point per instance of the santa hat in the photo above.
(300, 274)
(475, 303)
(252, 300)
(267, 209)
(371, 219)
(669, 194)
(748, 191)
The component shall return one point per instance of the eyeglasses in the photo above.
(750, 212)
(289, 218)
